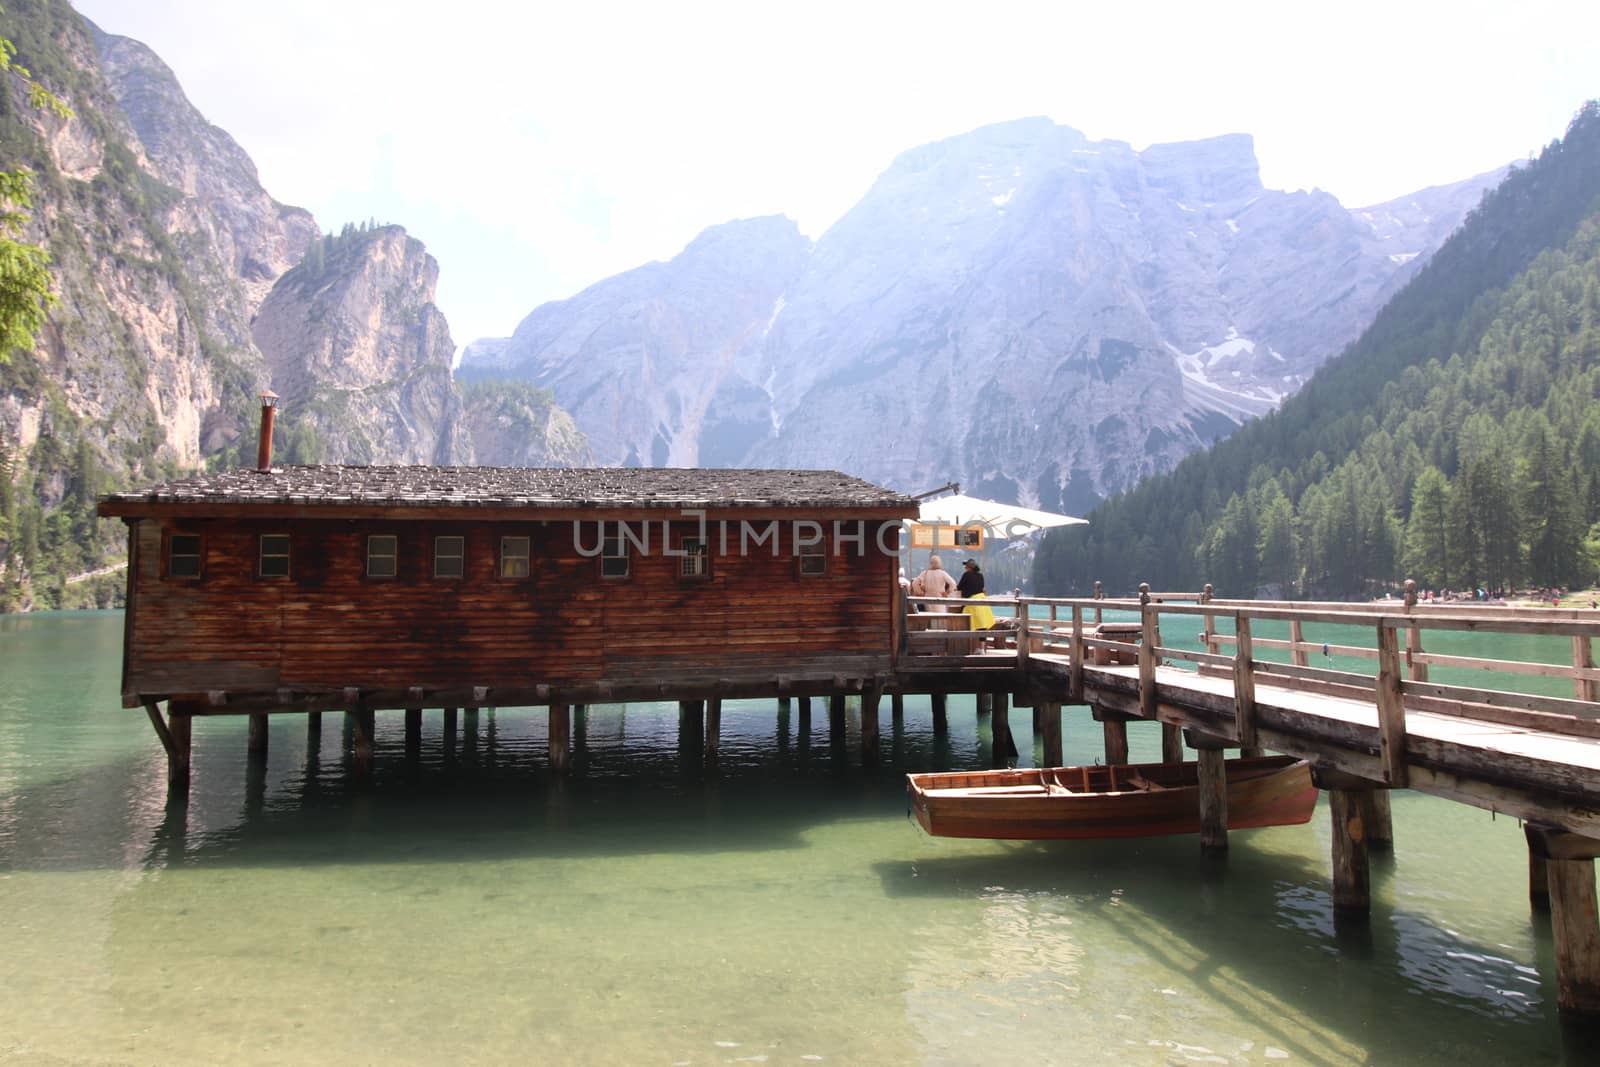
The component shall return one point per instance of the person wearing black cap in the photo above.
(971, 582)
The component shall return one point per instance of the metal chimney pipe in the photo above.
(269, 406)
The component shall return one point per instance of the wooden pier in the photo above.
(1536, 758)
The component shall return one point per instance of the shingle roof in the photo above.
(566, 487)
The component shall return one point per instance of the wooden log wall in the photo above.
(328, 625)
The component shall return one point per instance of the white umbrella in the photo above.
(1001, 521)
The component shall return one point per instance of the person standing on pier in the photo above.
(971, 588)
(935, 581)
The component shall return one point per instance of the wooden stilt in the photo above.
(836, 718)
(897, 706)
(413, 731)
(1050, 716)
(1116, 732)
(314, 729)
(1004, 749)
(560, 733)
(1380, 831)
(1575, 922)
(469, 721)
(449, 730)
(1038, 719)
(713, 738)
(1213, 800)
(1574, 917)
(869, 724)
(1352, 893)
(1171, 743)
(941, 718)
(783, 703)
(1538, 882)
(364, 723)
(985, 704)
(175, 734)
(258, 736)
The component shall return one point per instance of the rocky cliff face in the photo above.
(165, 249)
(359, 353)
(1040, 316)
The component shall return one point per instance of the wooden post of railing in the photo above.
(1415, 668)
(1391, 708)
(1022, 635)
(1099, 594)
(1583, 659)
(1297, 641)
(1075, 679)
(1209, 634)
(1244, 686)
(1147, 661)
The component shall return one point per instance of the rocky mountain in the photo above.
(1042, 317)
(185, 290)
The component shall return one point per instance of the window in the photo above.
(813, 561)
(448, 557)
(382, 550)
(696, 560)
(183, 556)
(274, 556)
(614, 556)
(513, 557)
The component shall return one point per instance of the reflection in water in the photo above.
(776, 906)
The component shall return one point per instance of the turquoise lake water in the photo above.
(780, 908)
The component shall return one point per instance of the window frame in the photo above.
(818, 552)
(287, 555)
(701, 553)
(608, 557)
(526, 557)
(460, 557)
(199, 555)
(393, 556)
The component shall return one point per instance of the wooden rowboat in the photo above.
(1125, 800)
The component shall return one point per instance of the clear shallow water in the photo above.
(779, 908)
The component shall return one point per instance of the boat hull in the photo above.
(1130, 800)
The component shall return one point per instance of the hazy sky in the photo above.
(536, 148)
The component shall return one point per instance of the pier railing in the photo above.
(1076, 631)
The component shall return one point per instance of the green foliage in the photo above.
(1457, 440)
(25, 293)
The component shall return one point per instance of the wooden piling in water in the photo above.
(363, 728)
(713, 732)
(1049, 715)
(869, 724)
(1213, 772)
(1574, 915)
(1116, 735)
(1171, 743)
(449, 731)
(258, 736)
(1350, 808)
(413, 731)
(836, 717)
(941, 718)
(560, 733)
(1004, 747)
(314, 729)
(1380, 832)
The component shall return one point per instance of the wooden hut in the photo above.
(318, 586)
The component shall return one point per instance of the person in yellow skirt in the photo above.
(971, 587)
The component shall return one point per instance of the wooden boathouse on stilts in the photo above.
(311, 588)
